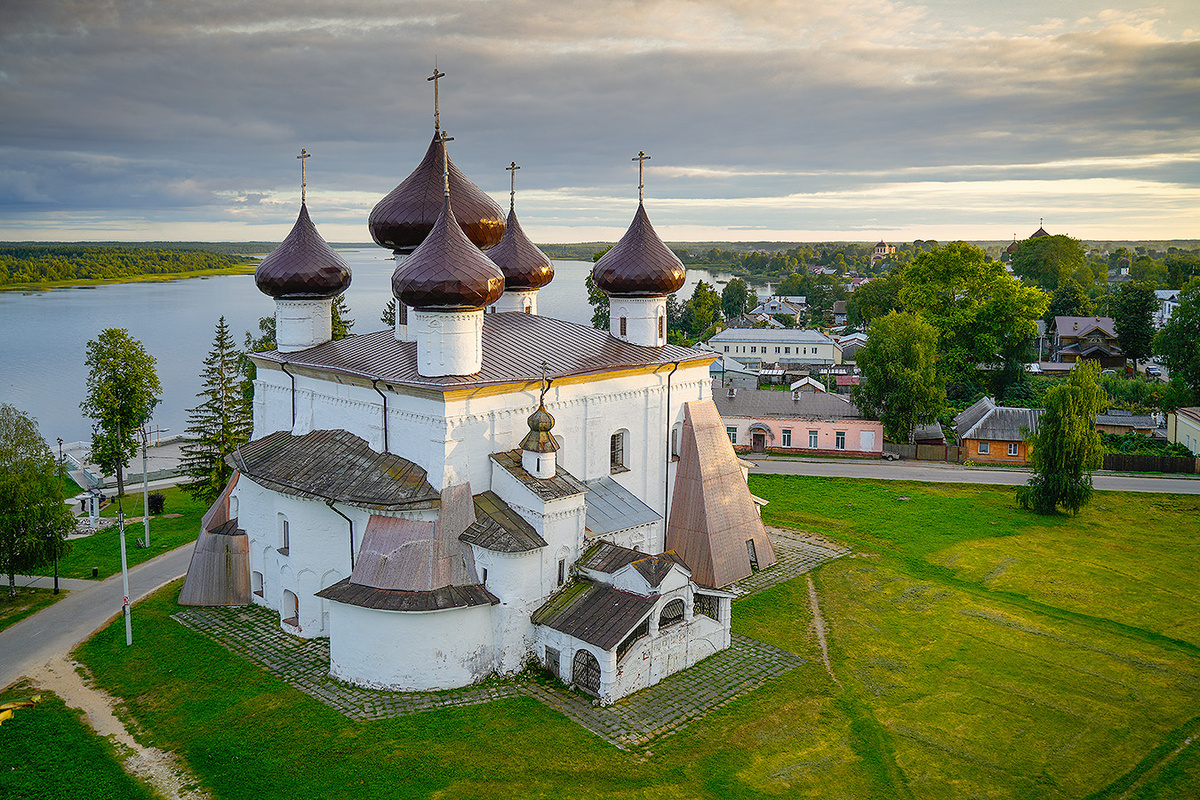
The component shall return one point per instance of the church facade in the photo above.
(482, 486)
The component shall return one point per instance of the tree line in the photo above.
(48, 263)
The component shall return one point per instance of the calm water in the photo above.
(42, 370)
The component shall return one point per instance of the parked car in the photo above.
(1153, 370)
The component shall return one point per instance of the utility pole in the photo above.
(145, 490)
(124, 562)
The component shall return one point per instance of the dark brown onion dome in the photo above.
(404, 218)
(447, 270)
(539, 439)
(303, 265)
(1012, 248)
(523, 264)
(639, 264)
(1039, 233)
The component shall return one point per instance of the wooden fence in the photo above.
(1129, 462)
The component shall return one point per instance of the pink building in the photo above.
(759, 421)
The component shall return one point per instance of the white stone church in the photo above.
(482, 486)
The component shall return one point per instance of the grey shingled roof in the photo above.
(1079, 326)
(612, 507)
(497, 527)
(395, 600)
(594, 612)
(514, 347)
(563, 484)
(608, 558)
(334, 465)
(760, 403)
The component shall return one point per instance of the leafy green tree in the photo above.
(873, 300)
(1133, 316)
(122, 391)
(1179, 342)
(388, 317)
(218, 425)
(900, 384)
(1050, 261)
(1069, 300)
(737, 298)
(702, 311)
(982, 314)
(599, 303)
(34, 521)
(1181, 267)
(1066, 448)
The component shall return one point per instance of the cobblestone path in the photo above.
(253, 632)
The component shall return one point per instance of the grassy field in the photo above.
(103, 549)
(76, 283)
(48, 752)
(979, 650)
(28, 601)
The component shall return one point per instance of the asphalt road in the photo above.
(936, 472)
(54, 631)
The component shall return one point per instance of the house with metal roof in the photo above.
(1075, 339)
(813, 423)
(482, 486)
(996, 433)
(786, 346)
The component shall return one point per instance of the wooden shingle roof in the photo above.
(500, 529)
(594, 612)
(334, 465)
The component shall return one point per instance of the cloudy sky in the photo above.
(157, 119)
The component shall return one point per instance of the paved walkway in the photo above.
(254, 633)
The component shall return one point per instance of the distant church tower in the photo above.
(526, 268)
(638, 274)
(447, 282)
(303, 274)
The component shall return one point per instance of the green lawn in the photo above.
(28, 601)
(981, 652)
(48, 752)
(103, 549)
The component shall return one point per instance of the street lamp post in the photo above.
(54, 544)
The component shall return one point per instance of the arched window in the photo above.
(291, 609)
(616, 453)
(585, 672)
(672, 613)
(624, 326)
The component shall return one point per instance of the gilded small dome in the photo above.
(539, 438)
(405, 217)
(447, 270)
(523, 264)
(640, 264)
(303, 265)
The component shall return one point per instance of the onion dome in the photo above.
(523, 264)
(1039, 233)
(447, 270)
(539, 439)
(405, 217)
(1012, 248)
(639, 264)
(303, 265)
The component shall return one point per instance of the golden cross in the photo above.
(304, 154)
(437, 120)
(512, 193)
(641, 158)
(443, 138)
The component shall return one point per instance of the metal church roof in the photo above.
(612, 507)
(303, 265)
(639, 264)
(594, 612)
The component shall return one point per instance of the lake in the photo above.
(42, 369)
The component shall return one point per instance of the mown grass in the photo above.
(28, 601)
(963, 672)
(103, 548)
(48, 752)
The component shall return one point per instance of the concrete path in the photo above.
(938, 472)
(51, 633)
(47, 582)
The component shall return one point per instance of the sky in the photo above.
(765, 120)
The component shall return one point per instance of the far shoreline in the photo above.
(91, 283)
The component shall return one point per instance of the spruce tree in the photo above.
(218, 425)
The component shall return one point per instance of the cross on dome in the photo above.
(443, 138)
(437, 121)
(641, 157)
(304, 156)
(512, 192)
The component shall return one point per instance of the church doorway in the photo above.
(758, 442)
(585, 672)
